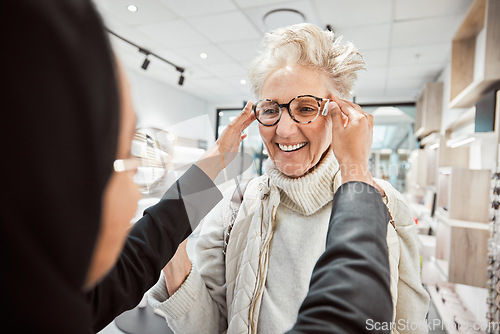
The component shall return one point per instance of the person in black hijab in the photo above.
(69, 263)
(60, 124)
(64, 212)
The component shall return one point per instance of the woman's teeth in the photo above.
(288, 148)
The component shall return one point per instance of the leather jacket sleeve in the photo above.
(151, 243)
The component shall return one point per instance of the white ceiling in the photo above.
(405, 42)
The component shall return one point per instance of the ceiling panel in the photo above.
(241, 51)
(174, 33)
(369, 95)
(174, 57)
(429, 71)
(131, 60)
(121, 47)
(375, 58)
(192, 8)
(368, 37)
(256, 3)
(341, 14)
(213, 54)
(130, 33)
(235, 81)
(411, 9)
(404, 87)
(257, 14)
(412, 37)
(426, 31)
(148, 11)
(399, 95)
(229, 68)
(195, 72)
(157, 71)
(227, 27)
(437, 53)
(372, 76)
(405, 83)
(214, 85)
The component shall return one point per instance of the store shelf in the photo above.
(463, 194)
(455, 316)
(470, 138)
(472, 93)
(465, 118)
(475, 58)
(459, 245)
(429, 110)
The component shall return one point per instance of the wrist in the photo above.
(175, 277)
(355, 172)
(211, 163)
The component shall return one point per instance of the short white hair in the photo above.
(307, 45)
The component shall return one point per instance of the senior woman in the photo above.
(251, 265)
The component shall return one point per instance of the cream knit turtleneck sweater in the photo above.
(299, 240)
(218, 292)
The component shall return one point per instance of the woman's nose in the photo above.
(286, 127)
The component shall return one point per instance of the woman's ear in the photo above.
(345, 120)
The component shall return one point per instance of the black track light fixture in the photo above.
(181, 78)
(147, 60)
(145, 63)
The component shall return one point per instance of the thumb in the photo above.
(336, 113)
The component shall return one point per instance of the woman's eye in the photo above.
(306, 110)
(270, 111)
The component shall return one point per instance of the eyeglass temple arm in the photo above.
(324, 112)
(122, 165)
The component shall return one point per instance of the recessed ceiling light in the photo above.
(132, 8)
(243, 81)
(203, 55)
(283, 17)
(221, 113)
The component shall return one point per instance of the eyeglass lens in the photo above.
(303, 109)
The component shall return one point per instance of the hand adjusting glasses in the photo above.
(302, 109)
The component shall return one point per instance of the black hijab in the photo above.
(60, 112)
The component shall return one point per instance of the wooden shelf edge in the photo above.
(444, 217)
(473, 21)
(466, 118)
(468, 97)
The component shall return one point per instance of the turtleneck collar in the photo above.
(309, 193)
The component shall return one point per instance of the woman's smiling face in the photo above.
(293, 147)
